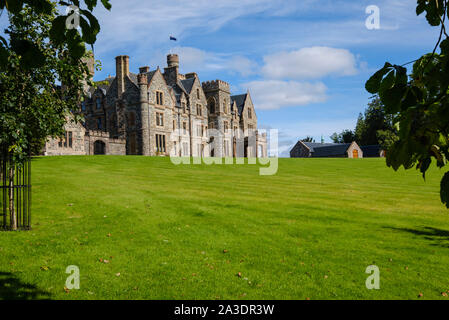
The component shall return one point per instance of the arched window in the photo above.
(212, 105)
(131, 119)
(99, 147)
(98, 103)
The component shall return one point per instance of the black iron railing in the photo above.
(15, 192)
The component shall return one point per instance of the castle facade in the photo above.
(163, 113)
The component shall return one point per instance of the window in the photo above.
(99, 124)
(159, 98)
(226, 125)
(132, 143)
(212, 106)
(66, 139)
(131, 119)
(160, 143)
(184, 127)
(183, 107)
(226, 148)
(199, 111)
(249, 113)
(83, 106)
(185, 149)
(199, 131)
(225, 107)
(159, 119)
(198, 94)
(98, 103)
(70, 139)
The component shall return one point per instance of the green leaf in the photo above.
(40, 6)
(106, 4)
(392, 98)
(90, 30)
(444, 46)
(31, 56)
(373, 84)
(424, 165)
(91, 4)
(387, 82)
(14, 6)
(401, 75)
(444, 190)
(58, 30)
(421, 7)
(75, 44)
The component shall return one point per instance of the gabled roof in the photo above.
(313, 145)
(188, 84)
(240, 101)
(327, 149)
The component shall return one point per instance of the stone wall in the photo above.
(61, 146)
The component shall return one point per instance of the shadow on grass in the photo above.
(12, 288)
(439, 237)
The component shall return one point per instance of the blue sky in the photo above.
(304, 62)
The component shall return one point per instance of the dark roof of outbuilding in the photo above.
(371, 151)
(327, 149)
(240, 101)
(313, 145)
(337, 149)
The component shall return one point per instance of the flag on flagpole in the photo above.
(173, 38)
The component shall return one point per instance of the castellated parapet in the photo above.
(215, 85)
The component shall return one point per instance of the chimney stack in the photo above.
(144, 69)
(171, 73)
(122, 71)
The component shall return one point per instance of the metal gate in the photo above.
(15, 193)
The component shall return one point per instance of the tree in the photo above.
(375, 119)
(346, 136)
(32, 105)
(31, 55)
(419, 102)
(308, 139)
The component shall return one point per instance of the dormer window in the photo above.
(98, 101)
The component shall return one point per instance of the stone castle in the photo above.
(162, 113)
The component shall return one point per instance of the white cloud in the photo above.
(197, 60)
(276, 94)
(309, 63)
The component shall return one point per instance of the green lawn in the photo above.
(186, 232)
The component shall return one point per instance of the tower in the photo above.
(219, 113)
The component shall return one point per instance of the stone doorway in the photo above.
(99, 147)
